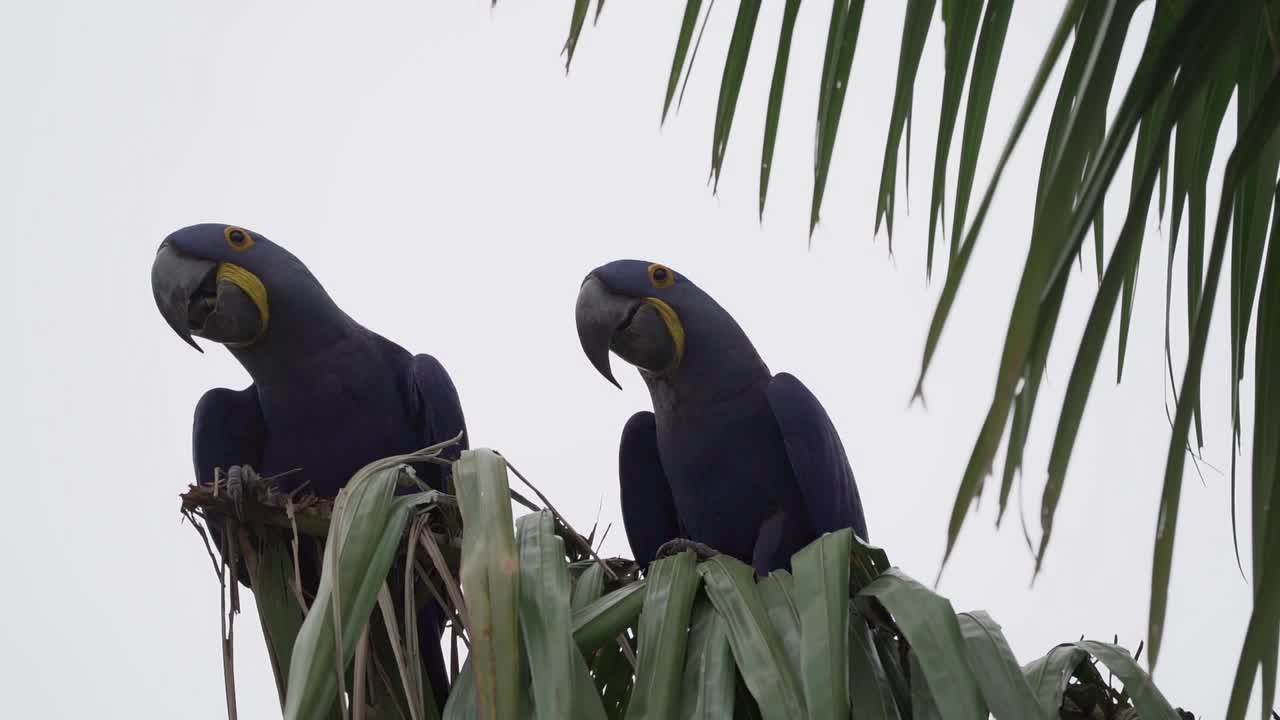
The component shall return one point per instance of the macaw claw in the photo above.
(679, 545)
(241, 479)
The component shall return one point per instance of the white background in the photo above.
(437, 171)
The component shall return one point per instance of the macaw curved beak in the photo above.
(200, 297)
(643, 331)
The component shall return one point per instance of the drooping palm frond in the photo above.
(553, 631)
(1197, 56)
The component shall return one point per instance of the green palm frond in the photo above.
(1196, 57)
(553, 631)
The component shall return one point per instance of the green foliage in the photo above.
(553, 632)
(1196, 57)
(491, 583)
(364, 535)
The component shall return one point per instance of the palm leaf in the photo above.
(1267, 459)
(952, 285)
(842, 40)
(575, 30)
(545, 623)
(1123, 260)
(1260, 637)
(664, 623)
(918, 20)
(778, 593)
(870, 689)
(1196, 56)
(1261, 128)
(774, 111)
(929, 624)
(368, 520)
(707, 687)
(602, 620)
(1249, 229)
(756, 648)
(960, 17)
(278, 605)
(822, 600)
(1147, 699)
(490, 580)
(1196, 43)
(692, 7)
(1260, 641)
(1004, 688)
(1048, 676)
(995, 25)
(735, 66)
(741, 647)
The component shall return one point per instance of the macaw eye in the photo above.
(238, 239)
(661, 276)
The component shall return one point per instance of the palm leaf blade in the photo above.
(915, 30)
(1004, 688)
(691, 10)
(735, 66)
(842, 40)
(490, 580)
(588, 587)
(278, 609)
(775, 96)
(1048, 676)
(545, 622)
(822, 598)
(952, 285)
(869, 687)
(1261, 127)
(602, 620)
(777, 592)
(576, 22)
(364, 533)
(1147, 699)
(664, 623)
(707, 688)
(1259, 645)
(960, 19)
(756, 648)
(929, 624)
(986, 61)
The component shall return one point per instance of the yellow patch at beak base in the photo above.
(251, 285)
(674, 326)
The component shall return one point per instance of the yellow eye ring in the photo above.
(661, 276)
(238, 239)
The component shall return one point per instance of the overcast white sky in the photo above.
(437, 171)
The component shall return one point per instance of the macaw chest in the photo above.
(330, 428)
(728, 473)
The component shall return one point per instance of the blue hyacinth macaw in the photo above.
(328, 395)
(732, 456)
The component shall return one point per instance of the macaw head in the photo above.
(230, 285)
(661, 322)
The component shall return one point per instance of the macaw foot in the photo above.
(679, 545)
(241, 479)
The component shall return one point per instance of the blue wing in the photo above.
(817, 458)
(228, 430)
(648, 510)
(435, 406)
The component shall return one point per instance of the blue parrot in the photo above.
(732, 456)
(328, 395)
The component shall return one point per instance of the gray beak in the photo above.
(599, 313)
(631, 327)
(195, 302)
(179, 282)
